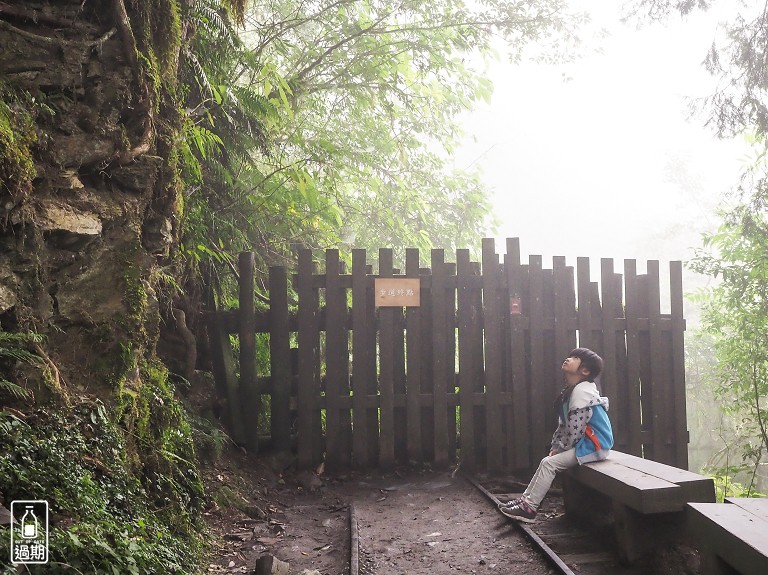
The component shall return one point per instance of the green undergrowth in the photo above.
(123, 485)
(17, 136)
(728, 482)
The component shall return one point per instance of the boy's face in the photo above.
(572, 366)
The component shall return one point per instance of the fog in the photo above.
(599, 157)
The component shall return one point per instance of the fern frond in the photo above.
(212, 23)
(14, 390)
(198, 73)
(13, 345)
(219, 172)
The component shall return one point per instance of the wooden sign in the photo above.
(397, 292)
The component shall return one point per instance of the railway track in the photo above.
(569, 548)
(528, 531)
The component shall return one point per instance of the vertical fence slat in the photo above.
(345, 414)
(247, 334)
(611, 301)
(279, 359)
(551, 361)
(565, 314)
(607, 326)
(661, 417)
(224, 371)
(386, 370)
(337, 366)
(633, 403)
(585, 303)
(332, 360)
(570, 286)
(646, 381)
(373, 398)
(477, 375)
(451, 382)
(493, 355)
(541, 425)
(309, 448)
(400, 419)
(440, 357)
(518, 431)
(620, 387)
(426, 345)
(678, 363)
(466, 367)
(360, 353)
(560, 279)
(413, 368)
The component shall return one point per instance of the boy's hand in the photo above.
(552, 452)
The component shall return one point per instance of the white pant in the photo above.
(545, 474)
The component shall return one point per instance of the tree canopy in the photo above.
(332, 123)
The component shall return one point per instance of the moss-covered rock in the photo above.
(17, 136)
(89, 200)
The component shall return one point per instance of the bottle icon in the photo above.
(29, 524)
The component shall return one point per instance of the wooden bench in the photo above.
(732, 537)
(647, 499)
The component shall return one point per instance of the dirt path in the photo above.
(417, 522)
(410, 523)
(435, 524)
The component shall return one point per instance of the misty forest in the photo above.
(144, 144)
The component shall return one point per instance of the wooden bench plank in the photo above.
(648, 499)
(758, 506)
(695, 487)
(734, 534)
(640, 491)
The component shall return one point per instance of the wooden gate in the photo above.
(468, 375)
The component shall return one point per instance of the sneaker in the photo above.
(519, 511)
(510, 503)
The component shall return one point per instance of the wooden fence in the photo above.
(469, 374)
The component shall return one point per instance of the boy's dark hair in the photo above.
(589, 360)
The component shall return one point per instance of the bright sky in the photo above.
(597, 157)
